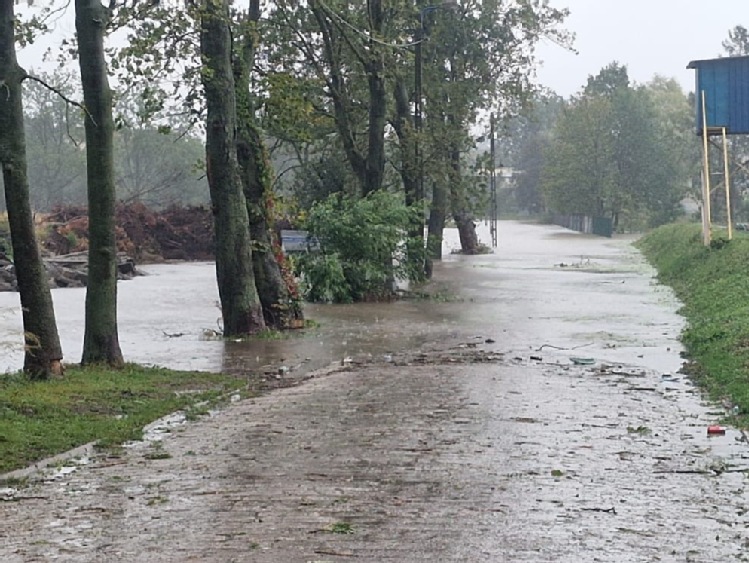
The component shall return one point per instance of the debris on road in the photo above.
(582, 361)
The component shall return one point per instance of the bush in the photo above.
(362, 248)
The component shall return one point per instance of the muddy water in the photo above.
(167, 318)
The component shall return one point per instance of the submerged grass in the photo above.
(713, 284)
(43, 418)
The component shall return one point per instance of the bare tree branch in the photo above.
(59, 93)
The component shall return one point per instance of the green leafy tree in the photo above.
(276, 289)
(162, 42)
(157, 161)
(679, 168)
(611, 156)
(475, 57)
(478, 57)
(341, 54)
(159, 168)
(579, 170)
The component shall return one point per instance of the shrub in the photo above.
(362, 248)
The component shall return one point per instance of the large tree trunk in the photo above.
(240, 306)
(377, 103)
(469, 242)
(278, 293)
(100, 342)
(377, 121)
(406, 131)
(42, 343)
(436, 226)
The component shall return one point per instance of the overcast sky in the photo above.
(649, 36)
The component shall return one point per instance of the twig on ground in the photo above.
(611, 510)
(173, 334)
(562, 348)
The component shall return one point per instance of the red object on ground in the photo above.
(716, 430)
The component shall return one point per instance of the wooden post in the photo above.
(706, 235)
(727, 181)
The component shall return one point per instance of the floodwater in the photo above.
(169, 318)
(493, 445)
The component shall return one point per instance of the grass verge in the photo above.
(713, 284)
(40, 419)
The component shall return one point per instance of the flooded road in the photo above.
(168, 318)
(542, 419)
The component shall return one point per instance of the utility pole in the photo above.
(418, 122)
(493, 186)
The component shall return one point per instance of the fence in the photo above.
(601, 226)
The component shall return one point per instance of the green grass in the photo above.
(39, 419)
(713, 284)
(341, 528)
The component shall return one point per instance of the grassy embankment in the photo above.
(713, 284)
(39, 419)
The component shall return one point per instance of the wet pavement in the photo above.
(466, 432)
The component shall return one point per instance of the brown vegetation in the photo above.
(176, 233)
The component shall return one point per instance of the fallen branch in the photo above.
(683, 471)
(173, 334)
(611, 510)
(561, 348)
(335, 553)
(18, 499)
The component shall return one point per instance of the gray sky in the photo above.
(649, 36)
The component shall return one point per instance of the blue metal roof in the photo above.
(725, 82)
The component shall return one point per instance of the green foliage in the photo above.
(362, 248)
(617, 151)
(39, 419)
(324, 279)
(54, 142)
(321, 178)
(341, 528)
(713, 284)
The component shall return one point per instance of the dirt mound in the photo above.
(176, 233)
